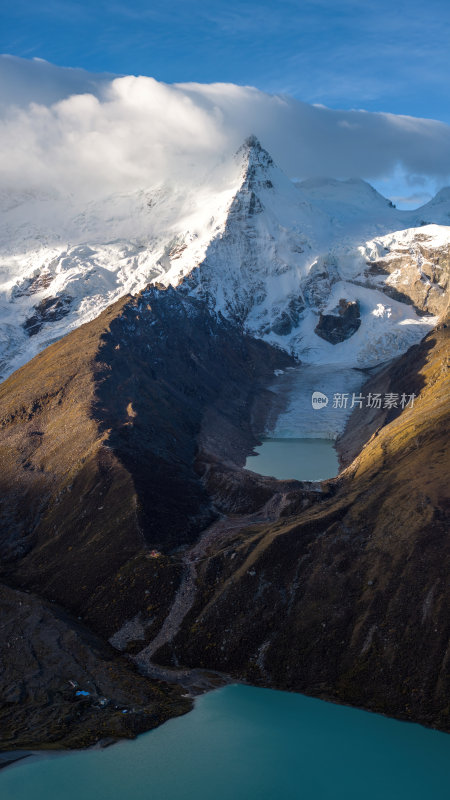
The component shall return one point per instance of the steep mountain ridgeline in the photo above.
(288, 255)
(423, 365)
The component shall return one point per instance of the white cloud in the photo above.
(80, 133)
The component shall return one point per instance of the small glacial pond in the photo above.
(299, 442)
(302, 459)
(244, 743)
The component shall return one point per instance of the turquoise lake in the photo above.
(299, 443)
(303, 459)
(244, 743)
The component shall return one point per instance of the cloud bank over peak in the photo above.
(80, 133)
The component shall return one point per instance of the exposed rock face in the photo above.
(413, 268)
(237, 263)
(318, 285)
(289, 319)
(337, 327)
(32, 285)
(51, 309)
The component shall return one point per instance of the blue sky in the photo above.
(373, 54)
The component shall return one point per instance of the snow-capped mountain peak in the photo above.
(275, 256)
(254, 158)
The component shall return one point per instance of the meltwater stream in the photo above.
(299, 443)
(244, 743)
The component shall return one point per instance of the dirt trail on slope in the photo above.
(217, 533)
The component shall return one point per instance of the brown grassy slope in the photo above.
(98, 445)
(350, 599)
(426, 362)
(56, 471)
(98, 448)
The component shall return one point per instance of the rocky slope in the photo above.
(345, 596)
(412, 266)
(100, 488)
(61, 686)
(122, 444)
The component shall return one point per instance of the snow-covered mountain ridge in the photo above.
(269, 253)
